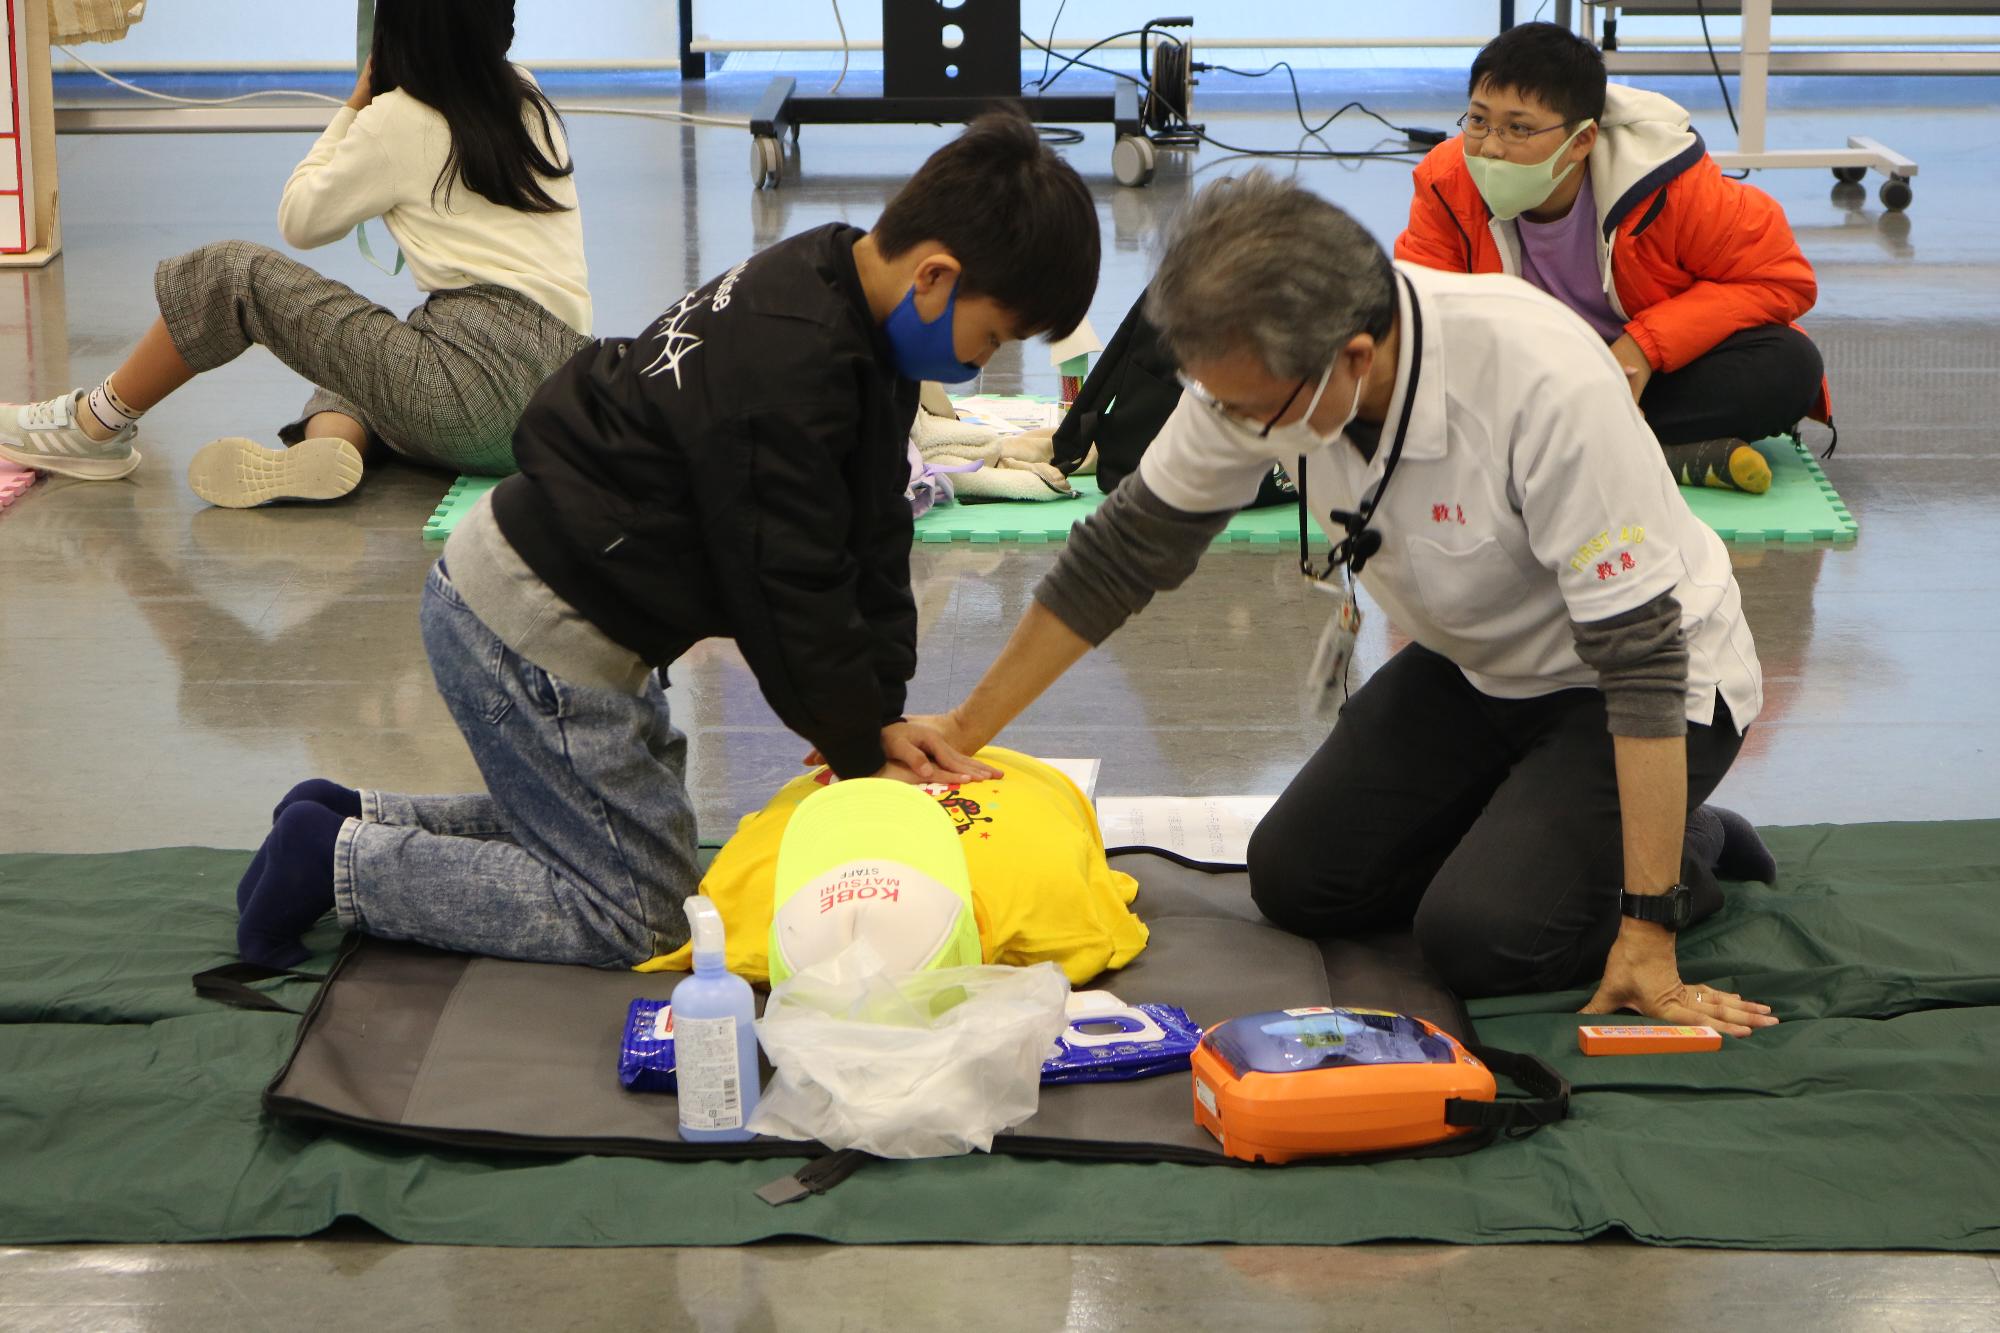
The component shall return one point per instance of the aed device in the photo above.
(1319, 1081)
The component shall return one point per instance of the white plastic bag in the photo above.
(923, 1064)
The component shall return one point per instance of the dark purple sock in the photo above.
(1704, 836)
(295, 889)
(343, 801)
(248, 884)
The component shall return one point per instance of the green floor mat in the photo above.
(1030, 522)
(1801, 506)
(457, 503)
(1869, 1119)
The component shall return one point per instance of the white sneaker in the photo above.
(241, 474)
(45, 437)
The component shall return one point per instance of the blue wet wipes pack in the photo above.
(646, 1056)
(1112, 1043)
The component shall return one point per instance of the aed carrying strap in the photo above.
(230, 984)
(1362, 540)
(815, 1177)
(1518, 1117)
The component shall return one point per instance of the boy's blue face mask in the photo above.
(925, 351)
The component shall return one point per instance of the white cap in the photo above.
(704, 927)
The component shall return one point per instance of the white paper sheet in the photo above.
(1214, 830)
(1009, 416)
(1083, 772)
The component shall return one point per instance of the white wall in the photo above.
(252, 33)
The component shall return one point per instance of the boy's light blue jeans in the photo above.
(583, 848)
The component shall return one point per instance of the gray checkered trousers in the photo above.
(444, 387)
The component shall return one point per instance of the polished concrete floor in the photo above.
(171, 669)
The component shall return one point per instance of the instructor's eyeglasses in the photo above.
(1477, 127)
(1199, 392)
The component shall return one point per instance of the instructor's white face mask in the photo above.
(1299, 436)
(1512, 188)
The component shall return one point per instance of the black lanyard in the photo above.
(1362, 540)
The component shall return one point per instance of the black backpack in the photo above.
(1127, 397)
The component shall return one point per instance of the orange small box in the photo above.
(1593, 1039)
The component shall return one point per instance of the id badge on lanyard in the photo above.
(1326, 683)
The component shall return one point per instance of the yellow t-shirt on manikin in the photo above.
(1041, 888)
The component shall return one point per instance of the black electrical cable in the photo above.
(1701, 8)
(1205, 137)
(1299, 154)
(1060, 135)
(1080, 61)
(1406, 154)
(1049, 50)
(1298, 102)
(1078, 58)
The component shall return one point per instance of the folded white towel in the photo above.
(92, 20)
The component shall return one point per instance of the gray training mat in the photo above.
(479, 1052)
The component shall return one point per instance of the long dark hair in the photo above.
(451, 55)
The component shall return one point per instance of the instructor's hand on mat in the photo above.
(364, 91)
(1642, 975)
(919, 751)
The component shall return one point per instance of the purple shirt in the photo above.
(1560, 257)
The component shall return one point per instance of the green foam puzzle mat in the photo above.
(1801, 506)
(457, 503)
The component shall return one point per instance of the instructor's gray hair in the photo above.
(1256, 263)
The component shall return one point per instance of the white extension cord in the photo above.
(644, 113)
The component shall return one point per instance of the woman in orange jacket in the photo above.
(1692, 278)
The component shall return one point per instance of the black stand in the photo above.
(782, 111)
(945, 66)
(694, 64)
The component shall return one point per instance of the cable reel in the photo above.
(1170, 91)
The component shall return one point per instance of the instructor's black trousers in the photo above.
(1491, 825)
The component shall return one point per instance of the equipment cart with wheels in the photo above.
(944, 65)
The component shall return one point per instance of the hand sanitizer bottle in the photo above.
(715, 1046)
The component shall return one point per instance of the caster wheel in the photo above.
(1132, 160)
(767, 162)
(1849, 173)
(1895, 194)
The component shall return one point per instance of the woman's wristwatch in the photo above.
(1672, 909)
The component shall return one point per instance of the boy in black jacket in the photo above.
(737, 471)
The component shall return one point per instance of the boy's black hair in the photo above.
(1019, 220)
(1547, 62)
(451, 55)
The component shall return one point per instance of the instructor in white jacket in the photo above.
(1524, 782)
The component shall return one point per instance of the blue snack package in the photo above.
(1111, 1045)
(646, 1056)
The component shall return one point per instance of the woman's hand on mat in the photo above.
(364, 91)
(1638, 370)
(1642, 975)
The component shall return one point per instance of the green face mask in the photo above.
(1512, 188)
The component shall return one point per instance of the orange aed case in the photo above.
(1318, 1082)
